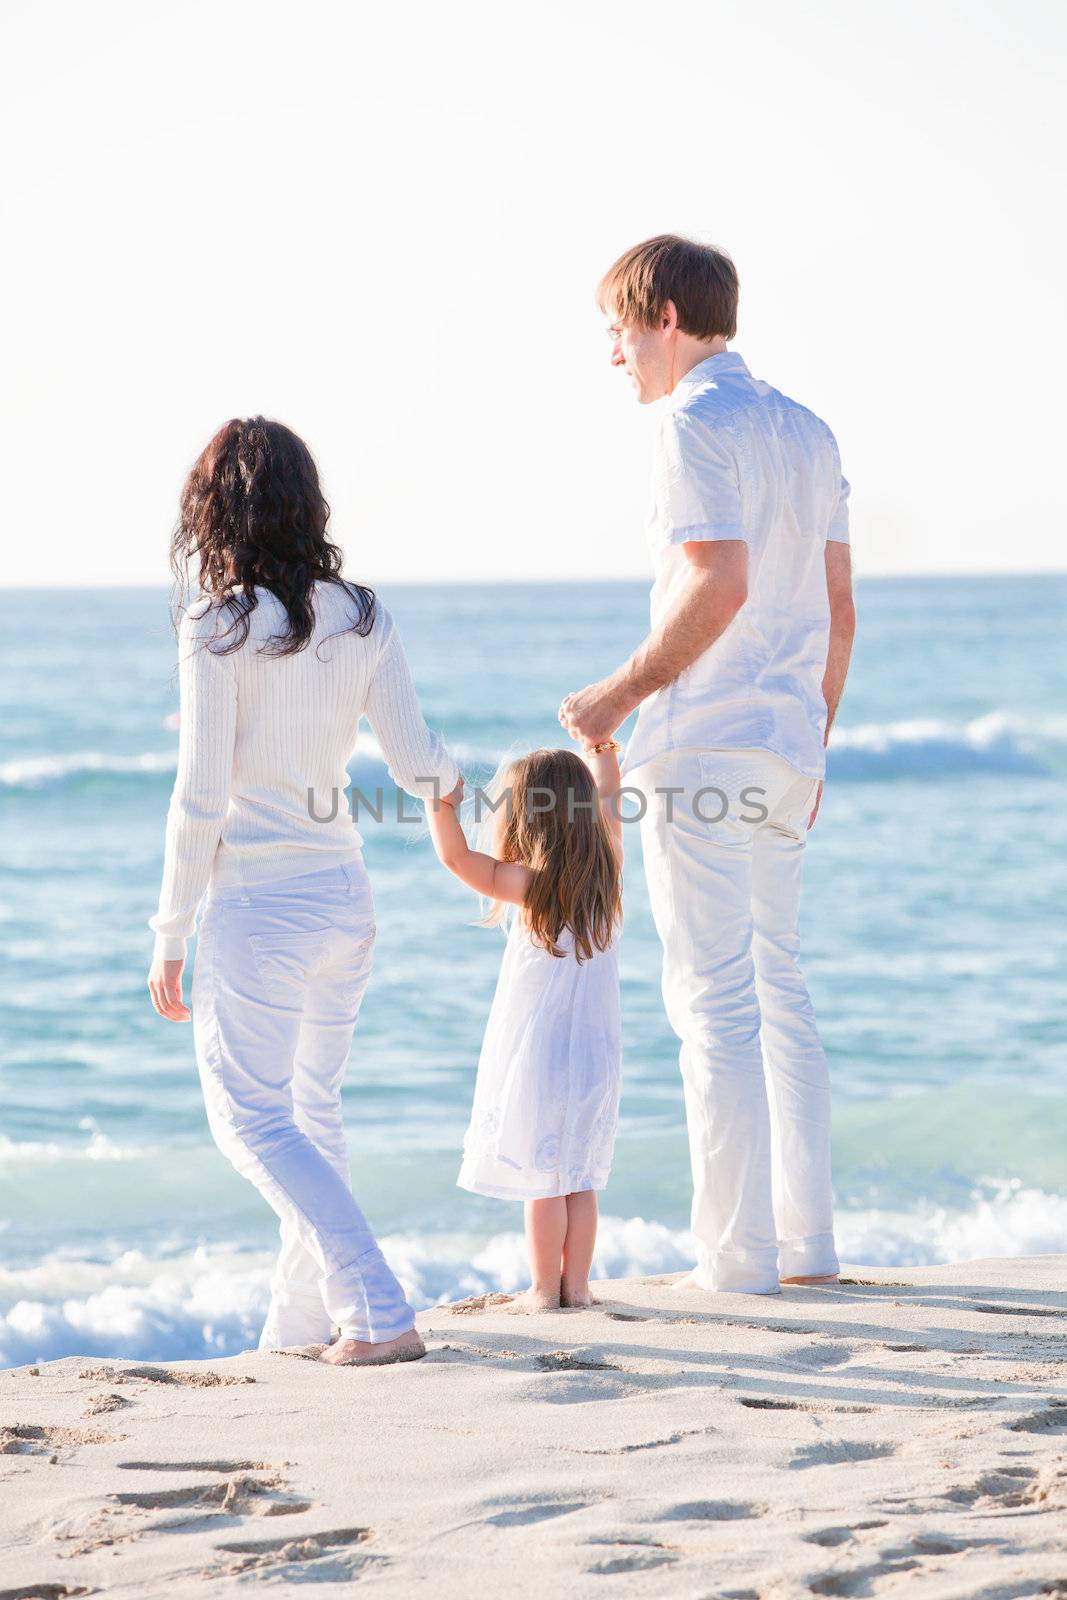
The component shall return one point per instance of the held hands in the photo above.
(591, 715)
(165, 987)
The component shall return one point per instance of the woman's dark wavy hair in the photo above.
(253, 512)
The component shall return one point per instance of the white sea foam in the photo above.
(922, 748)
(210, 1301)
(1004, 1219)
(98, 1147)
(929, 747)
(42, 772)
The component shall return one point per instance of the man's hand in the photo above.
(165, 987)
(455, 799)
(818, 802)
(592, 715)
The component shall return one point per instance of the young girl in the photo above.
(546, 1100)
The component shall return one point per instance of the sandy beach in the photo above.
(905, 1432)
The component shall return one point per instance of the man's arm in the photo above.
(716, 588)
(838, 560)
(842, 626)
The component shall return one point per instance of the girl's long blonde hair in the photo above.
(554, 825)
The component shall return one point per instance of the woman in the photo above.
(278, 660)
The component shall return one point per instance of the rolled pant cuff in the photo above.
(360, 1331)
(366, 1301)
(813, 1257)
(737, 1272)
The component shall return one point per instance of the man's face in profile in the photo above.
(644, 353)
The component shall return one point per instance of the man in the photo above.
(737, 683)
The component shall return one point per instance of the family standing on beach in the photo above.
(736, 687)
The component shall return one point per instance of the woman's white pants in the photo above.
(725, 899)
(281, 970)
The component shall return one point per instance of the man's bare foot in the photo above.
(831, 1277)
(534, 1299)
(362, 1353)
(576, 1297)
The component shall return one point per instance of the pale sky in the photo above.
(383, 225)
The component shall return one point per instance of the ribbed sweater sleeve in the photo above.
(415, 756)
(206, 733)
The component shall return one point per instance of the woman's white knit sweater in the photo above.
(263, 746)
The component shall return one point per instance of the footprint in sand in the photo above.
(464, 1351)
(991, 1309)
(869, 1283)
(255, 1555)
(762, 1403)
(537, 1511)
(818, 1356)
(843, 1453)
(711, 1511)
(569, 1361)
(237, 1497)
(1011, 1488)
(635, 1555)
(187, 1380)
(1051, 1420)
(938, 1544)
(197, 1466)
(830, 1538)
(43, 1591)
(640, 1444)
(27, 1440)
(860, 1580)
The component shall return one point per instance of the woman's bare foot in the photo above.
(362, 1353)
(831, 1277)
(575, 1297)
(534, 1299)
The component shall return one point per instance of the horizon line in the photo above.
(476, 583)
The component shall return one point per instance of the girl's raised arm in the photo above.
(605, 769)
(497, 880)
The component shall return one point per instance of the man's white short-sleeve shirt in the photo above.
(735, 459)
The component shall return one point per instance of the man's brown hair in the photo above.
(701, 280)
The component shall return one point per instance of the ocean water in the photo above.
(934, 943)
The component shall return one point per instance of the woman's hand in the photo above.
(165, 987)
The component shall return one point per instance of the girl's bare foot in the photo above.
(831, 1277)
(575, 1297)
(534, 1299)
(362, 1353)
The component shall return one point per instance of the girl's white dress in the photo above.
(546, 1099)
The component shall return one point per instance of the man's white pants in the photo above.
(725, 899)
(281, 970)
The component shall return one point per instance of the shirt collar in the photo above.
(713, 367)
